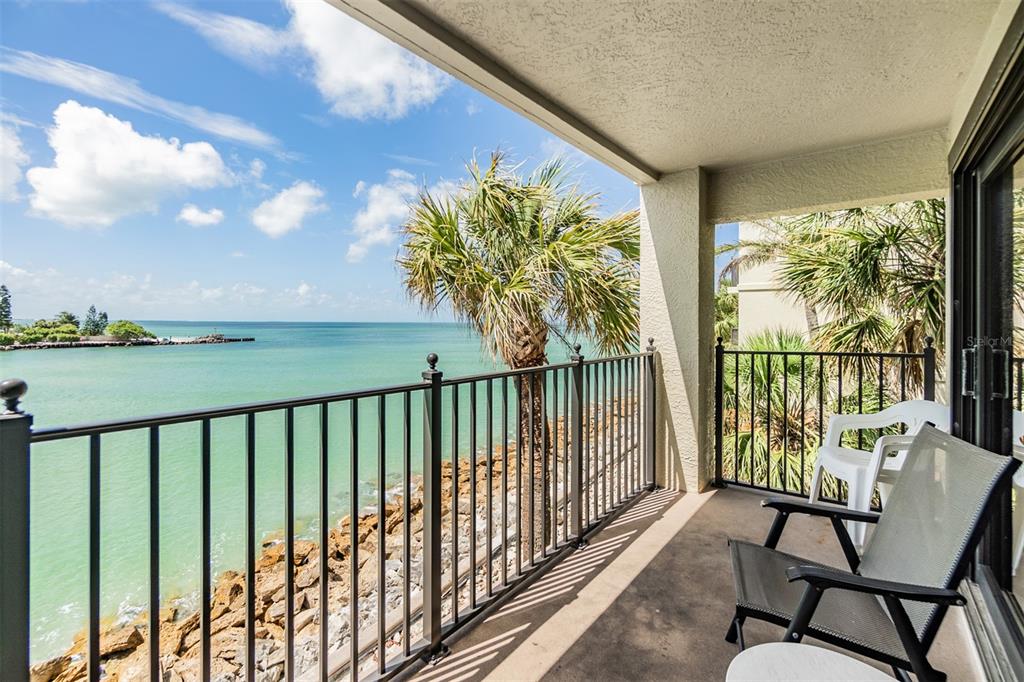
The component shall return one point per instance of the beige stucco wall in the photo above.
(763, 304)
(676, 309)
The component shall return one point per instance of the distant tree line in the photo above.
(65, 326)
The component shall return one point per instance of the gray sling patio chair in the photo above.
(889, 605)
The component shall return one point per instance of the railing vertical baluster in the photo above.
(15, 457)
(544, 469)
(93, 654)
(289, 545)
(489, 495)
(504, 481)
(324, 541)
(903, 379)
(472, 495)
(250, 547)
(929, 369)
(554, 457)
(719, 398)
(821, 397)
(154, 552)
(860, 398)
(803, 421)
(785, 422)
(604, 438)
(753, 414)
(566, 483)
(650, 428)
(531, 456)
(381, 539)
(432, 509)
(406, 521)
(519, 475)
(204, 575)
(353, 529)
(768, 422)
(575, 492)
(617, 420)
(590, 442)
(1020, 384)
(736, 418)
(455, 503)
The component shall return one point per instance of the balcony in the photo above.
(650, 598)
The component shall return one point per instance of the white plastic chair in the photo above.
(862, 469)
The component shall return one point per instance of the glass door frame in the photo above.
(980, 275)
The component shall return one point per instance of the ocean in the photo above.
(288, 359)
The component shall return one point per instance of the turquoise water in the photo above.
(69, 386)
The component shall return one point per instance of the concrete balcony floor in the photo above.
(650, 598)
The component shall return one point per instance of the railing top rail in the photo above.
(598, 361)
(483, 376)
(815, 353)
(132, 423)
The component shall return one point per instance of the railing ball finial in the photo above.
(11, 391)
(650, 344)
(928, 341)
(719, 340)
(432, 360)
(576, 348)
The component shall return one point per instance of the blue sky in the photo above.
(239, 160)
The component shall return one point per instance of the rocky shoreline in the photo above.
(124, 650)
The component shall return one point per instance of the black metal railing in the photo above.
(772, 409)
(457, 491)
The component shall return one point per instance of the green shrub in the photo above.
(32, 335)
(6, 339)
(126, 330)
(61, 337)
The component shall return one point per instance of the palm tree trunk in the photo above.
(811, 315)
(534, 430)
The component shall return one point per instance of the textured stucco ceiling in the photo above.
(730, 82)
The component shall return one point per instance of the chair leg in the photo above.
(735, 633)
(859, 499)
(815, 490)
(901, 674)
(1018, 530)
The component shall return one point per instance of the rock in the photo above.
(120, 640)
(47, 670)
(270, 556)
(75, 671)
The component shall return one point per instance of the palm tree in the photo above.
(520, 258)
(878, 273)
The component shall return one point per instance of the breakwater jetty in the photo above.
(109, 341)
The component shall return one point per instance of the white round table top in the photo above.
(799, 663)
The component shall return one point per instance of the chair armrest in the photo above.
(887, 445)
(787, 506)
(838, 423)
(824, 578)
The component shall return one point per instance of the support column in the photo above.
(677, 253)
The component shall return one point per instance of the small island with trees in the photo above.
(65, 330)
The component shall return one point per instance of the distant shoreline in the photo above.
(108, 342)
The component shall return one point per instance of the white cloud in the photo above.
(473, 108)
(306, 294)
(104, 170)
(254, 43)
(388, 205)
(196, 217)
(256, 168)
(410, 160)
(285, 211)
(12, 158)
(359, 73)
(237, 254)
(112, 87)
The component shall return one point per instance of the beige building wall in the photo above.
(763, 303)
